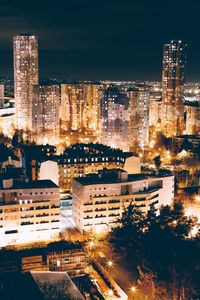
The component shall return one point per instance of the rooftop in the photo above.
(37, 184)
(117, 176)
(89, 151)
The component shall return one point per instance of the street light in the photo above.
(110, 263)
(91, 244)
(110, 293)
(133, 290)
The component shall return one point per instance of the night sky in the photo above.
(105, 39)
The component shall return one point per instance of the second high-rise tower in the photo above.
(25, 76)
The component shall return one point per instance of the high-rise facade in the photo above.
(192, 112)
(155, 105)
(25, 76)
(138, 119)
(80, 107)
(1, 95)
(173, 77)
(45, 114)
(92, 92)
(115, 118)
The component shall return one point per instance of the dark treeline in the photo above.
(163, 249)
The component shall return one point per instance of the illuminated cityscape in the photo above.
(100, 151)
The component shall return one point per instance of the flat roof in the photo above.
(107, 179)
(112, 178)
(36, 184)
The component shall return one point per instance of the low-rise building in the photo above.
(7, 120)
(99, 199)
(29, 211)
(83, 159)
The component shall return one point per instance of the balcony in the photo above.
(27, 216)
(44, 222)
(100, 209)
(101, 202)
(26, 208)
(42, 215)
(112, 222)
(114, 201)
(114, 215)
(114, 208)
(140, 199)
(27, 223)
(55, 206)
(86, 218)
(42, 207)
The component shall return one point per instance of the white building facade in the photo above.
(100, 199)
(29, 211)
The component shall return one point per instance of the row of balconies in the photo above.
(41, 222)
(102, 202)
(102, 216)
(102, 209)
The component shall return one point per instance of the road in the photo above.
(121, 270)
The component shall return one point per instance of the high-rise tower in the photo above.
(173, 77)
(25, 76)
(45, 114)
(138, 119)
(115, 118)
(80, 107)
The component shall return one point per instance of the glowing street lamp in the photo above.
(110, 293)
(110, 263)
(91, 244)
(133, 291)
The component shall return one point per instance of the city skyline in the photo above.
(99, 150)
(112, 41)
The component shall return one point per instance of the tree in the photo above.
(15, 140)
(161, 247)
(186, 145)
(157, 161)
(151, 217)
(4, 152)
(129, 231)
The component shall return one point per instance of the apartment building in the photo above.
(100, 199)
(80, 159)
(29, 211)
(45, 114)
